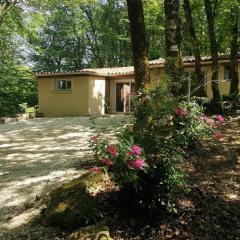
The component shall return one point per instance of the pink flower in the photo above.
(181, 112)
(135, 150)
(107, 162)
(112, 150)
(209, 121)
(220, 118)
(94, 139)
(137, 164)
(218, 135)
(94, 170)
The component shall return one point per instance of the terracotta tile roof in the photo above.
(206, 58)
(109, 71)
(117, 71)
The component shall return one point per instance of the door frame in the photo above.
(114, 105)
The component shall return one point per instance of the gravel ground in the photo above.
(37, 155)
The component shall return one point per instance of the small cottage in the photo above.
(97, 91)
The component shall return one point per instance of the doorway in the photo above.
(124, 94)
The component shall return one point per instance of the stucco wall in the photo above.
(224, 85)
(158, 78)
(96, 97)
(63, 103)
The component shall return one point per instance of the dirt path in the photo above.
(211, 209)
(208, 208)
(37, 155)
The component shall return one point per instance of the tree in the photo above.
(16, 81)
(154, 28)
(195, 46)
(173, 64)
(59, 42)
(139, 43)
(210, 11)
(234, 75)
(78, 36)
(5, 7)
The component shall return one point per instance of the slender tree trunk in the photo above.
(173, 64)
(196, 50)
(92, 37)
(234, 51)
(139, 43)
(214, 49)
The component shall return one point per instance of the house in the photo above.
(93, 91)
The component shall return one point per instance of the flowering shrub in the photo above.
(191, 124)
(124, 161)
(181, 112)
(145, 161)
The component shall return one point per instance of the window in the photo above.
(64, 85)
(227, 72)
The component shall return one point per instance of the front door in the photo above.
(123, 96)
(119, 97)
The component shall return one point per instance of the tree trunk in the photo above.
(214, 49)
(173, 64)
(234, 51)
(196, 50)
(139, 43)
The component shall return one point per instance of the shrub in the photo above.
(145, 163)
(124, 160)
(189, 124)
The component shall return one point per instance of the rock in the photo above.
(73, 204)
(91, 233)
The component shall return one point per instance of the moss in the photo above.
(61, 207)
(91, 233)
(72, 205)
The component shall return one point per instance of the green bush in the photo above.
(145, 163)
(17, 87)
(189, 124)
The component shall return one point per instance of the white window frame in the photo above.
(66, 89)
(224, 72)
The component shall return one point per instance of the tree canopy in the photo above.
(71, 35)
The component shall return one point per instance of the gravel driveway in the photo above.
(39, 154)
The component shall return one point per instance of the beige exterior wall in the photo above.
(224, 85)
(63, 103)
(96, 97)
(88, 93)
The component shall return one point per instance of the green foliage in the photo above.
(17, 86)
(189, 123)
(163, 129)
(153, 129)
(166, 128)
(74, 36)
(16, 82)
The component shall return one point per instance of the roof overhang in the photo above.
(119, 72)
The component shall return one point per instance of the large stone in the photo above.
(91, 233)
(73, 204)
